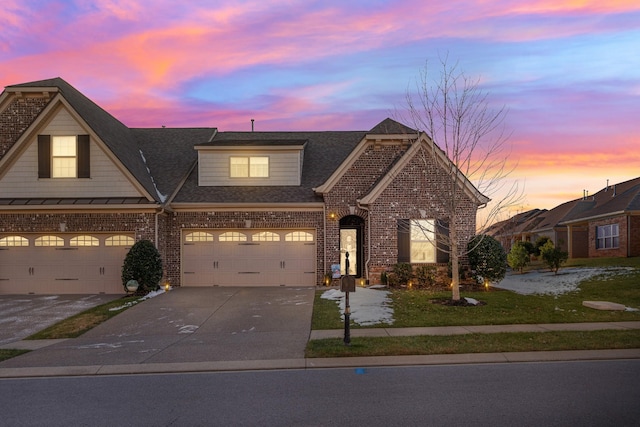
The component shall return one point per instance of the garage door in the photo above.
(249, 258)
(62, 263)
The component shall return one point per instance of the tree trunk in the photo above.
(455, 270)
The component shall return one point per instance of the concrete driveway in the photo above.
(192, 325)
(23, 315)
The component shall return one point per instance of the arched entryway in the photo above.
(351, 240)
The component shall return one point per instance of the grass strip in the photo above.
(9, 353)
(475, 343)
(80, 323)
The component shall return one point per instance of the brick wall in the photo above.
(18, 115)
(621, 251)
(634, 239)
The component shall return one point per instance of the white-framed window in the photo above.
(249, 167)
(63, 157)
(232, 236)
(84, 240)
(49, 241)
(423, 240)
(607, 236)
(265, 236)
(14, 241)
(298, 236)
(119, 240)
(198, 236)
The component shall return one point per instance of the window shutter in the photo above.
(404, 241)
(84, 170)
(442, 252)
(44, 156)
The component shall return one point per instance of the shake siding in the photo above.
(284, 168)
(21, 181)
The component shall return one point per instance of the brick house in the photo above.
(605, 224)
(78, 188)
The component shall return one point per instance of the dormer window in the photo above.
(63, 156)
(249, 167)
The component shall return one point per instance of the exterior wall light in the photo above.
(332, 215)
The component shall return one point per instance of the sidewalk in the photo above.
(348, 362)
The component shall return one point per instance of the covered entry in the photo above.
(351, 231)
(242, 257)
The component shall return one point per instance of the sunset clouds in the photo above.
(567, 71)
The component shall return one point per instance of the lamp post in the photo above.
(347, 284)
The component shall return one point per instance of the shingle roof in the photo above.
(110, 130)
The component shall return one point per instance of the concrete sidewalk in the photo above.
(186, 365)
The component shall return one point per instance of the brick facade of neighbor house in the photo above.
(634, 236)
(155, 184)
(621, 250)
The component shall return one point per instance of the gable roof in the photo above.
(113, 133)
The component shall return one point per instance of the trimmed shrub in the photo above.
(487, 258)
(518, 257)
(553, 257)
(426, 275)
(143, 264)
(401, 275)
(540, 242)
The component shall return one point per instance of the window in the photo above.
(423, 240)
(298, 236)
(119, 240)
(49, 241)
(232, 236)
(84, 241)
(249, 167)
(607, 236)
(199, 236)
(14, 241)
(265, 236)
(63, 156)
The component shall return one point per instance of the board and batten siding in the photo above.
(285, 168)
(21, 180)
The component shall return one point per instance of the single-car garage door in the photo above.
(248, 257)
(62, 263)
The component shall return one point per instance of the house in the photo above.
(78, 188)
(606, 224)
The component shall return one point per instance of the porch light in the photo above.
(332, 215)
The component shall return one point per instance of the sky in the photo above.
(567, 72)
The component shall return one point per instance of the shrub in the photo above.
(540, 242)
(518, 257)
(426, 275)
(553, 257)
(143, 264)
(487, 258)
(401, 275)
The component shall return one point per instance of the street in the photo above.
(593, 393)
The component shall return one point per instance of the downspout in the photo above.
(366, 263)
(156, 226)
(324, 240)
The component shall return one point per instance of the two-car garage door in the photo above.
(241, 257)
(62, 263)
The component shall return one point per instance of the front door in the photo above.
(351, 242)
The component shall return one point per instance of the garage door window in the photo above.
(232, 236)
(265, 236)
(49, 241)
(119, 240)
(298, 236)
(14, 241)
(198, 236)
(84, 241)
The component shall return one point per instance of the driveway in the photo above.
(192, 325)
(23, 315)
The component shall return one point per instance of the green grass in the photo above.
(414, 308)
(475, 343)
(77, 325)
(8, 354)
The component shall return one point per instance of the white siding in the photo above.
(284, 168)
(21, 180)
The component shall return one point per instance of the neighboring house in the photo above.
(606, 224)
(78, 188)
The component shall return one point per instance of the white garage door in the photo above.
(62, 263)
(249, 258)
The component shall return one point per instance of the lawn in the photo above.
(415, 308)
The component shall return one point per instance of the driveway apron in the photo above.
(192, 325)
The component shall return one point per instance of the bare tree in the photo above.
(469, 145)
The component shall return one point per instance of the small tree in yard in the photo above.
(540, 242)
(518, 257)
(553, 257)
(143, 264)
(487, 258)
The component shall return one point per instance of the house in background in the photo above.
(78, 188)
(606, 224)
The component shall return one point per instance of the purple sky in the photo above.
(567, 71)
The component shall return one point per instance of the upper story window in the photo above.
(607, 236)
(63, 156)
(249, 167)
